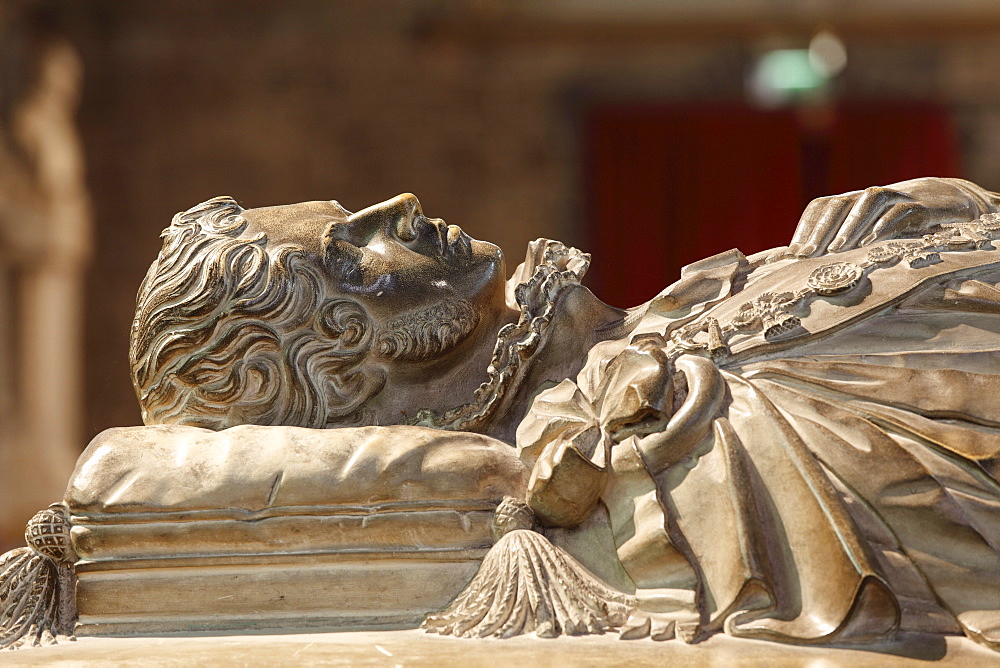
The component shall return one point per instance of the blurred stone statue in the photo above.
(799, 446)
(44, 247)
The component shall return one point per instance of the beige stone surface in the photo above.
(415, 648)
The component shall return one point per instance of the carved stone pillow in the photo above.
(170, 490)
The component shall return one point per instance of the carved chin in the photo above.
(428, 333)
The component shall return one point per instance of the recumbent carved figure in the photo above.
(799, 445)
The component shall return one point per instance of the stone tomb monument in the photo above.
(353, 421)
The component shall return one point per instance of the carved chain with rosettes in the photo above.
(771, 312)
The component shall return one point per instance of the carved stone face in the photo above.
(389, 257)
(318, 317)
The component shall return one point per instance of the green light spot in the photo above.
(788, 70)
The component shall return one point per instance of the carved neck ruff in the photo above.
(556, 268)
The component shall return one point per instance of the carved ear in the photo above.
(345, 324)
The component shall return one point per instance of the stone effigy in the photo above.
(353, 421)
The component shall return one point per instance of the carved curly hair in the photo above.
(228, 331)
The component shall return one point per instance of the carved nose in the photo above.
(401, 212)
(395, 216)
(407, 203)
(406, 208)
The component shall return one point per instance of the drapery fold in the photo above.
(927, 481)
(776, 551)
(834, 490)
(812, 514)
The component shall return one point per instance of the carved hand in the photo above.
(573, 430)
(567, 479)
(909, 208)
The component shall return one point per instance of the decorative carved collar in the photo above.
(829, 292)
(553, 267)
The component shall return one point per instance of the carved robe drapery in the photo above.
(833, 478)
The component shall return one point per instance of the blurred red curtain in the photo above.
(669, 185)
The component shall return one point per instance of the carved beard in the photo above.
(555, 267)
(428, 333)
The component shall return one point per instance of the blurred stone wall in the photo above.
(45, 243)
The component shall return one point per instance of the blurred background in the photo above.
(650, 133)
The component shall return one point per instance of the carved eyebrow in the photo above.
(336, 230)
(341, 207)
